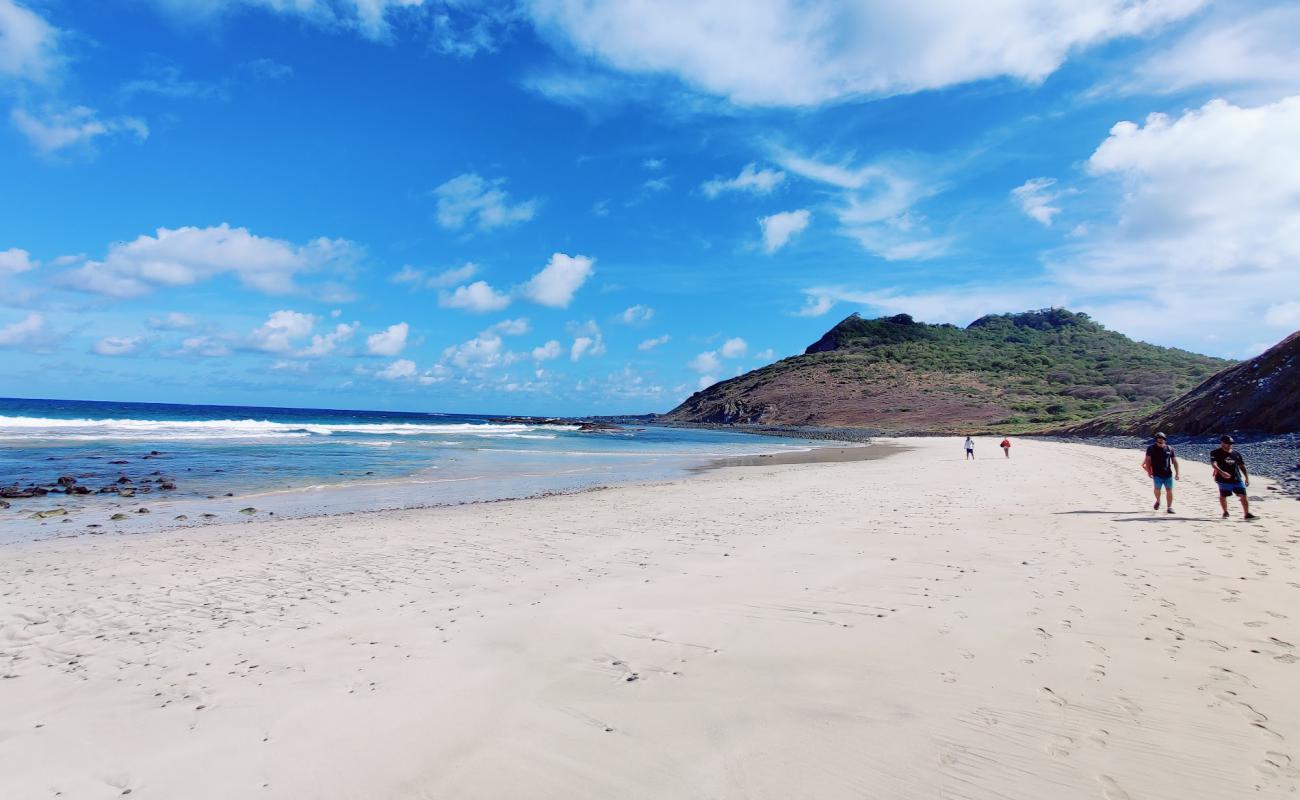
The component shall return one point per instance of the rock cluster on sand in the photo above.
(123, 486)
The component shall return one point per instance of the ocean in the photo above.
(223, 460)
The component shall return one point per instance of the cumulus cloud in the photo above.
(819, 51)
(706, 362)
(399, 370)
(1035, 198)
(559, 280)
(751, 179)
(389, 342)
(478, 297)
(548, 351)
(470, 200)
(185, 256)
(29, 46)
(512, 327)
(117, 345)
(483, 352)
(734, 348)
(1208, 221)
(281, 331)
(14, 261)
(52, 130)
(587, 347)
(204, 346)
(636, 315)
(650, 344)
(778, 229)
(23, 332)
(322, 344)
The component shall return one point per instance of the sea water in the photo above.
(224, 460)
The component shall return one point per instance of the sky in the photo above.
(573, 206)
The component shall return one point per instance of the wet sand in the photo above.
(818, 455)
(915, 626)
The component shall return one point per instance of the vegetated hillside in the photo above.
(1007, 372)
(1261, 395)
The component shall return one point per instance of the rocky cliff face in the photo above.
(1261, 395)
(1007, 372)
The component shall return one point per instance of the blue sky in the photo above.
(570, 206)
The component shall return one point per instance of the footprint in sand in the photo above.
(1111, 790)
(1099, 737)
(1131, 708)
(1060, 746)
(1246, 708)
(1053, 697)
(1280, 643)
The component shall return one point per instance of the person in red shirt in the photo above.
(1006, 446)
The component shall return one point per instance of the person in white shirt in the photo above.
(970, 448)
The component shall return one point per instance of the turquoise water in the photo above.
(313, 461)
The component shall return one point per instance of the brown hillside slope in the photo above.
(1013, 372)
(1260, 395)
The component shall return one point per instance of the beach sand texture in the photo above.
(911, 627)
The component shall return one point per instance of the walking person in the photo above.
(1006, 447)
(1231, 475)
(1161, 466)
(970, 448)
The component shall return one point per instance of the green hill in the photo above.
(1009, 372)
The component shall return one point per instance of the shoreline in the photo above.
(788, 630)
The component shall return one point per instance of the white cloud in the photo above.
(734, 348)
(29, 46)
(1284, 315)
(705, 382)
(816, 303)
(24, 331)
(877, 204)
(469, 199)
(653, 164)
(324, 344)
(751, 179)
(399, 370)
(483, 352)
(185, 256)
(765, 355)
(706, 362)
(650, 344)
(779, 228)
(14, 261)
(548, 351)
(204, 346)
(52, 130)
(559, 280)
(1207, 227)
(117, 345)
(636, 315)
(447, 278)
(512, 327)
(808, 52)
(657, 184)
(1035, 198)
(281, 331)
(173, 321)
(389, 342)
(587, 347)
(478, 297)
(1251, 51)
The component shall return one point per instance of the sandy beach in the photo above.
(914, 626)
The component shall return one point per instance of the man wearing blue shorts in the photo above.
(1231, 476)
(1162, 466)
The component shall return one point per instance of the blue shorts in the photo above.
(1163, 483)
(1237, 488)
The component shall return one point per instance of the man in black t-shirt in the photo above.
(1162, 466)
(1231, 475)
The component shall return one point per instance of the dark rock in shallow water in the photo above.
(167, 486)
(66, 481)
(78, 490)
(4, 503)
(120, 461)
(123, 479)
(142, 510)
(119, 516)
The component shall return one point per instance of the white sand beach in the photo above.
(911, 627)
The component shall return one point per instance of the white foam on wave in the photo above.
(46, 428)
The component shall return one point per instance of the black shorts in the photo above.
(1238, 488)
